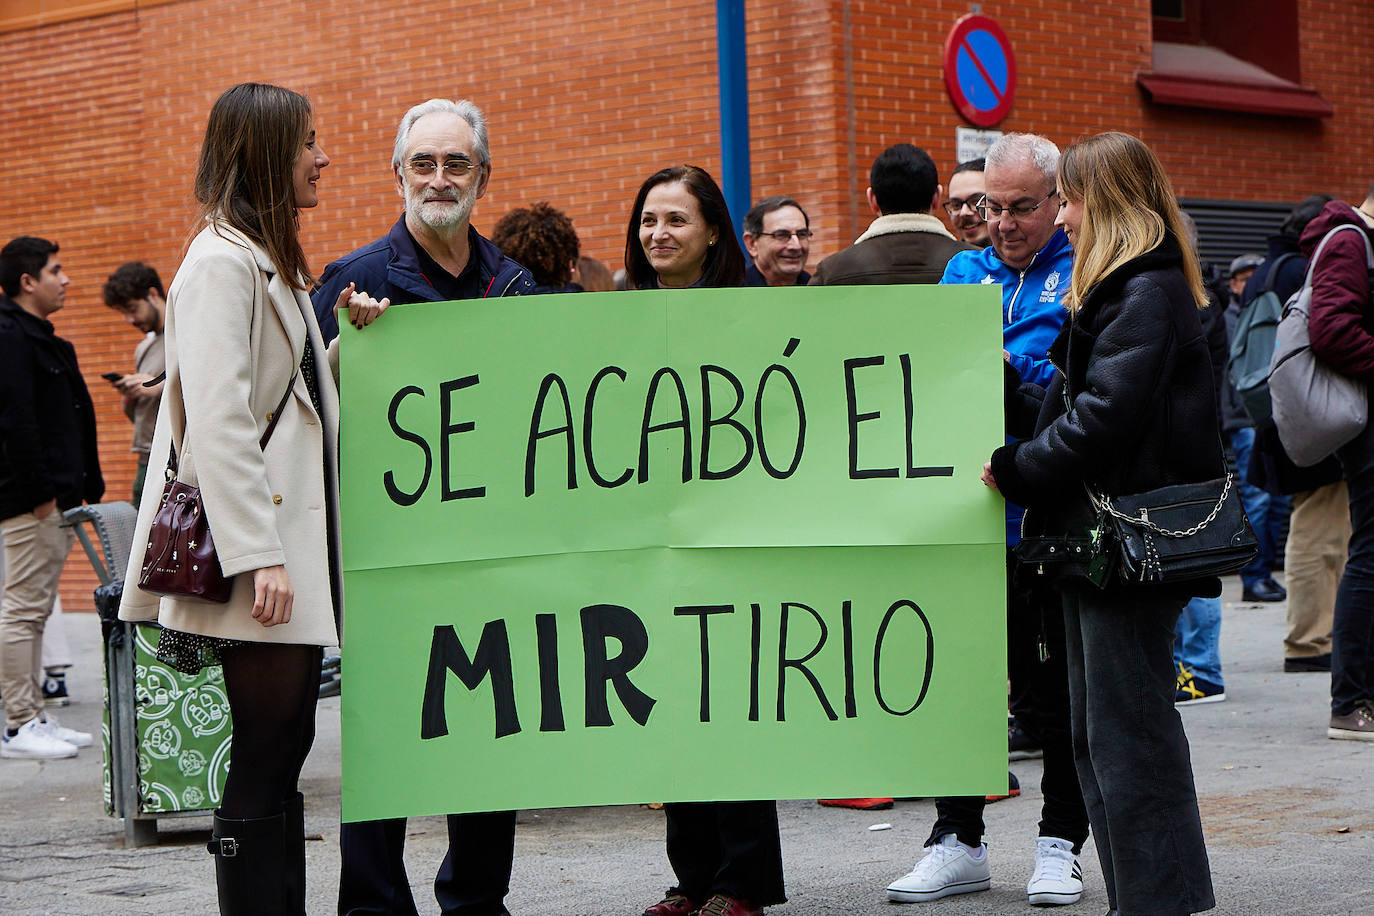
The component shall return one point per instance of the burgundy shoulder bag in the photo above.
(180, 561)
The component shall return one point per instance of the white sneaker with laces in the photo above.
(1058, 878)
(31, 742)
(62, 733)
(947, 869)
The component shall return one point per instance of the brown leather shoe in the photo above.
(673, 905)
(725, 905)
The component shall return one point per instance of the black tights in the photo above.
(273, 689)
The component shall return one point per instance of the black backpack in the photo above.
(1252, 349)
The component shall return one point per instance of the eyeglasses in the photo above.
(425, 168)
(990, 213)
(783, 236)
(954, 205)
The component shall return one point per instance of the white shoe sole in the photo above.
(1214, 698)
(9, 753)
(1054, 898)
(1346, 734)
(897, 895)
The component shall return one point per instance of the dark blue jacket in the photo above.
(389, 268)
(754, 277)
(47, 421)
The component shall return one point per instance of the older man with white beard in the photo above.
(432, 254)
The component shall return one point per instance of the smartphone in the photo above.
(112, 376)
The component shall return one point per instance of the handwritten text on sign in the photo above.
(581, 529)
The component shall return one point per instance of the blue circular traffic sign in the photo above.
(980, 70)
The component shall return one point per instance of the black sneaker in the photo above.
(1308, 663)
(1263, 590)
(1013, 789)
(1191, 690)
(55, 691)
(1020, 745)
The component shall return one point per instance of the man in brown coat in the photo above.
(907, 243)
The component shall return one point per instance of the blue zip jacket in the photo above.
(1032, 314)
(389, 268)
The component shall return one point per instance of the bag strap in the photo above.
(1268, 285)
(272, 419)
(1104, 504)
(1312, 265)
(275, 415)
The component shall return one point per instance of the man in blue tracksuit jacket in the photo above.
(1033, 261)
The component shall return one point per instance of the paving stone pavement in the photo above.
(1289, 825)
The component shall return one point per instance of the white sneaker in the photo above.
(31, 742)
(62, 733)
(947, 869)
(1058, 878)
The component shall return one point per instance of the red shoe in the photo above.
(725, 905)
(1013, 789)
(673, 905)
(862, 804)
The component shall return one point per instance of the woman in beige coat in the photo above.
(240, 329)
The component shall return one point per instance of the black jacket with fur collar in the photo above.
(1131, 409)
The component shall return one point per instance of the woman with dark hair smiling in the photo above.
(727, 855)
(680, 234)
(250, 415)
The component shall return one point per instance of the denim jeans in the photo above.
(1352, 629)
(1132, 754)
(1197, 638)
(1256, 503)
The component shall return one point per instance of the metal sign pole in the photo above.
(734, 107)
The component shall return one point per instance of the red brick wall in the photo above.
(105, 117)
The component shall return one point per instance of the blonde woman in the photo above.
(1130, 410)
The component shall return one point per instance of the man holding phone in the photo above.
(135, 291)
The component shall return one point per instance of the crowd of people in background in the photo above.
(1116, 337)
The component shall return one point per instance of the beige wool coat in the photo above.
(235, 333)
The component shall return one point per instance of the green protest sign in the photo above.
(673, 545)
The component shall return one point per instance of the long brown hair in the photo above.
(1128, 208)
(246, 173)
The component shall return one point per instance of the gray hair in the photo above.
(1042, 153)
(463, 109)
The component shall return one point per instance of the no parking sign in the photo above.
(980, 70)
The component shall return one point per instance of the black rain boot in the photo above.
(294, 832)
(250, 865)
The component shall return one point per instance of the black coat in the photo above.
(47, 421)
(1134, 365)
